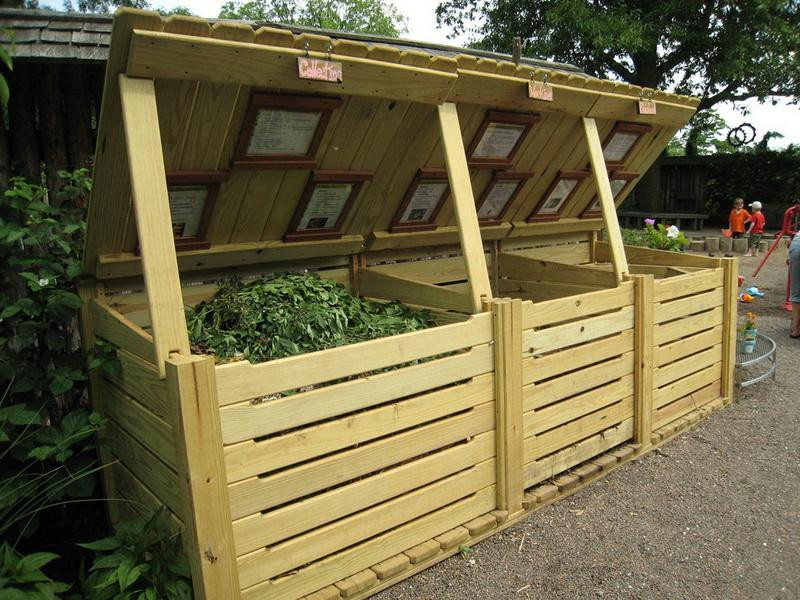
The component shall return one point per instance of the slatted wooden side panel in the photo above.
(577, 378)
(138, 445)
(688, 337)
(387, 444)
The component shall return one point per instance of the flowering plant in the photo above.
(664, 238)
(749, 322)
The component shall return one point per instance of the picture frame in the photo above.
(498, 139)
(557, 196)
(283, 131)
(192, 195)
(499, 195)
(324, 204)
(422, 202)
(619, 144)
(620, 181)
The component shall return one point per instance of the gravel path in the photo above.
(713, 514)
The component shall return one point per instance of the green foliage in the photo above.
(41, 238)
(292, 313)
(378, 17)
(720, 50)
(5, 61)
(143, 560)
(633, 237)
(102, 6)
(21, 577)
(705, 134)
(664, 238)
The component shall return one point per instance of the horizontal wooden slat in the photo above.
(686, 366)
(383, 285)
(537, 395)
(258, 493)
(565, 225)
(681, 328)
(128, 491)
(649, 256)
(576, 307)
(683, 387)
(428, 271)
(147, 467)
(263, 529)
(538, 368)
(120, 331)
(536, 292)
(666, 311)
(556, 414)
(573, 254)
(147, 428)
(311, 442)
(686, 285)
(517, 266)
(678, 408)
(139, 379)
(329, 570)
(171, 56)
(242, 380)
(333, 537)
(574, 431)
(577, 332)
(668, 353)
(554, 464)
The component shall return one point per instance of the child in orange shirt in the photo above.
(737, 218)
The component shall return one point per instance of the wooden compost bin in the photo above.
(556, 357)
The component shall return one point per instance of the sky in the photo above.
(783, 118)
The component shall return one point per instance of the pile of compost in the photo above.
(284, 314)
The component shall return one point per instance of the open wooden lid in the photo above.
(264, 161)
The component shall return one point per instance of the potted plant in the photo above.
(748, 332)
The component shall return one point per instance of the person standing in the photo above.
(794, 293)
(756, 228)
(737, 218)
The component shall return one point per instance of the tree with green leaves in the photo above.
(719, 50)
(362, 16)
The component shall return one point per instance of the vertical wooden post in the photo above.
(593, 246)
(464, 205)
(208, 527)
(507, 319)
(496, 268)
(643, 360)
(730, 277)
(153, 219)
(600, 174)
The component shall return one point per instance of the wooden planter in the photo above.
(556, 357)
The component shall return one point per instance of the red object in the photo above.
(740, 280)
(758, 221)
(788, 228)
(736, 220)
(726, 232)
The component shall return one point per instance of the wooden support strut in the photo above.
(151, 207)
(464, 206)
(643, 359)
(730, 267)
(600, 173)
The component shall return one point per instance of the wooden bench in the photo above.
(634, 218)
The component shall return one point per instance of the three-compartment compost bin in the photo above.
(461, 183)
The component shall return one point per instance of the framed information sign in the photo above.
(324, 204)
(619, 144)
(619, 181)
(283, 132)
(191, 201)
(555, 198)
(498, 196)
(423, 201)
(498, 138)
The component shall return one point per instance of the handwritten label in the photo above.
(539, 90)
(321, 70)
(647, 107)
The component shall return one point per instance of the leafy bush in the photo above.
(292, 313)
(143, 560)
(664, 238)
(21, 577)
(634, 237)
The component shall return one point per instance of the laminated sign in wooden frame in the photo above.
(557, 195)
(192, 195)
(620, 181)
(282, 131)
(499, 137)
(424, 199)
(498, 196)
(324, 204)
(621, 141)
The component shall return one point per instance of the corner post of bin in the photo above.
(600, 174)
(730, 274)
(507, 335)
(464, 205)
(643, 356)
(151, 209)
(208, 526)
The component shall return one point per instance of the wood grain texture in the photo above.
(643, 366)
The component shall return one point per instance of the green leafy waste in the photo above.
(292, 313)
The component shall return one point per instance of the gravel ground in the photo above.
(712, 514)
